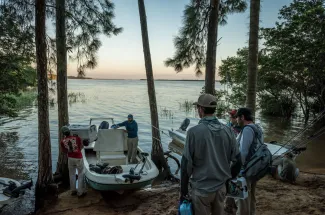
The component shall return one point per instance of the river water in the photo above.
(118, 98)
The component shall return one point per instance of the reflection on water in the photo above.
(18, 136)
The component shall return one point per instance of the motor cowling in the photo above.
(185, 124)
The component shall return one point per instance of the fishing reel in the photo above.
(13, 191)
(237, 188)
(132, 176)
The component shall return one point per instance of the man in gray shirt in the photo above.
(209, 150)
(245, 140)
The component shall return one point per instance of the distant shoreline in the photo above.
(74, 77)
(114, 79)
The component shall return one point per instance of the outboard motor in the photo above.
(104, 125)
(185, 124)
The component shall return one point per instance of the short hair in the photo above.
(246, 112)
(208, 110)
(66, 133)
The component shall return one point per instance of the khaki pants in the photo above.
(210, 204)
(247, 206)
(76, 164)
(132, 149)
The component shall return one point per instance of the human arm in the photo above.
(245, 142)
(187, 163)
(119, 124)
(79, 143)
(236, 161)
(63, 148)
(136, 127)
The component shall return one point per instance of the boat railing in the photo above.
(102, 118)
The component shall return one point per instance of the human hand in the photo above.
(125, 131)
(183, 196)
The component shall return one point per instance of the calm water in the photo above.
(103, 98)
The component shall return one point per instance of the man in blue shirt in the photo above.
(132, 130)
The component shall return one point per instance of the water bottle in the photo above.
(185, 208)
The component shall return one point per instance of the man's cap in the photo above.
(232, 112)
(65, 129)
(130, 116)
(289, 154)
(206, 100)
(243, 112)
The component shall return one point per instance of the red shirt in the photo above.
(72, 146)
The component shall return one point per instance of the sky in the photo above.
(121, 56)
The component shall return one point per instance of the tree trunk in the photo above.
(157, 153)
(210, 67)
(63, 115)
(253, 55)
(44, 145)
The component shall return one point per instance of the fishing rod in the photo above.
(307, 140)
(309, 125)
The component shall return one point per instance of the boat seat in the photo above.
(110, 146)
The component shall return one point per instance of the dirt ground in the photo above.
(273, 197)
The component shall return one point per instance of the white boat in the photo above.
(179, 138)
(11, 190)
(109, 146)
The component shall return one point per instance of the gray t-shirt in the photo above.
(210, 147)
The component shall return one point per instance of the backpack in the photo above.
(259, 162)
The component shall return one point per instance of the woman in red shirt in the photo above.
(72, 145)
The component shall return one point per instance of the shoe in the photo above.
(73, 193)
(82, 195)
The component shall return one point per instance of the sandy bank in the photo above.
(273, 197)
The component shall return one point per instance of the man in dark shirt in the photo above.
(132, 130)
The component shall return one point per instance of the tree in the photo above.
(197, 40)
(253, 55)
(62, 89)
(78, 26)
(85, 22)
(157, 153)
(297, 44)
(274, 95)
(16, 56)
(210, 67)
(44, 178)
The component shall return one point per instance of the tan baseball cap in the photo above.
(206, 100)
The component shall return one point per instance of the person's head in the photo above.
(289, 155)
(65, 131)
(130, 117)
(206, 105)
(244, 116)
(232, 116)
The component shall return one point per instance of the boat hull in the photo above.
(116, 182)
(179, 139)
(117, 187)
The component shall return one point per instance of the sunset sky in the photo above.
(121, 57)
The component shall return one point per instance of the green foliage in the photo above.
(191, 42)
(16, 56)
(291, 70)
(186, 106)
(283, 106)
(76, 97)
(297, 48)
(86, 21)
(273, 98)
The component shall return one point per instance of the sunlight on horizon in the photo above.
(121, 56)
